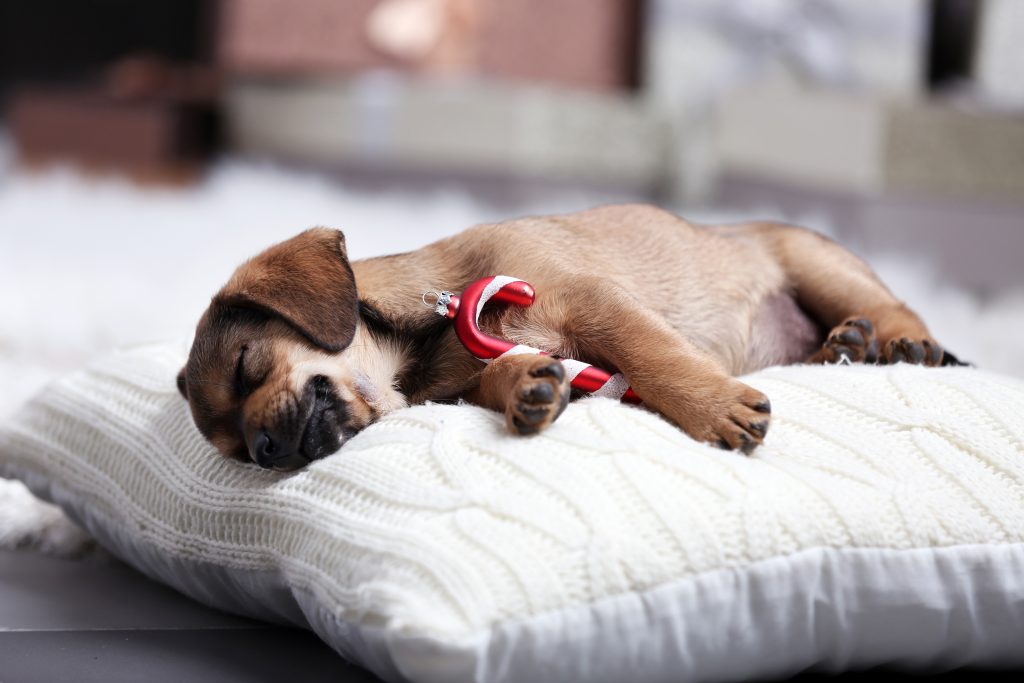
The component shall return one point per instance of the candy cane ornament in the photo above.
(465, 311)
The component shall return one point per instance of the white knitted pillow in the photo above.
(881, 522)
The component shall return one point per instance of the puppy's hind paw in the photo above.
(913, 351)
(853, 341)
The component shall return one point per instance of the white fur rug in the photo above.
(87, 265)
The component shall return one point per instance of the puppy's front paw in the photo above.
(733, 417)
(539, 397)
(914, 351)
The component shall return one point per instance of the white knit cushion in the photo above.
(881, 522)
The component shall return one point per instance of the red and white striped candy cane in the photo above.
(465, 311)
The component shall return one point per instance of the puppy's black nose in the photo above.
(264, 450)
(272, 452)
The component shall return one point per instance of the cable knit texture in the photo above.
(435, 545)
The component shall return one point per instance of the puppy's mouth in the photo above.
(325, 428)
(317, 428)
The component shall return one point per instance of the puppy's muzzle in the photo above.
(316, 429)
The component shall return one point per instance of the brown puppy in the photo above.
(300, 350)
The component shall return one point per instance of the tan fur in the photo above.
(678, 308)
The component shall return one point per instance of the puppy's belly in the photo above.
(781, 334)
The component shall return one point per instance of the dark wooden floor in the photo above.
(97, 620)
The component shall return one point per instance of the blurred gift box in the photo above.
(150, 119)
(586, 44)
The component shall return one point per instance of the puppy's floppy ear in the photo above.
(307, 281)
(182, 387)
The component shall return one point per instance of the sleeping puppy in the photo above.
(302, 349)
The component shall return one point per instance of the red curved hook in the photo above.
(464, 311)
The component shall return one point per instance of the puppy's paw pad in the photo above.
(854, 341)
(914, 351)
(552, 368)
(539, 397)
(537, 392)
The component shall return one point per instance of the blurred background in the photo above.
(146, 148)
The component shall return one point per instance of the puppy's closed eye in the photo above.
(252, 367)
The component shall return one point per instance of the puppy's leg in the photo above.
(867, 323)
(611, 328)
(532, 391)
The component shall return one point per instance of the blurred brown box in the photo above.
(589, 44)
(285, 37)
(151, 138)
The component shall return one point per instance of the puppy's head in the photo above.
(281, 371)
